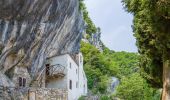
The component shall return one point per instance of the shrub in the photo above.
(82, 98)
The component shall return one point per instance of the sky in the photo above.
(114, 22)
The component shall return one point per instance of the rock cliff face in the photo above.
(33, 30)
(94, 39)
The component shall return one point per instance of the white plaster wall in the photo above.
(70, 74)
(73, 94)
(85, 88)
(60, 83)
(82, 77)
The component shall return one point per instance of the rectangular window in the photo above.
(84, 88)
(76, 84)
(20, 81)
(24, 82)
(47, 69)
(70, 84)
(76, 71)
(70, 65)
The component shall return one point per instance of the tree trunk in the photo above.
(166, 80)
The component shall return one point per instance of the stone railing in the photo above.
(12, 93)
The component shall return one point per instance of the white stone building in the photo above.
(66, 72)
(62, 77)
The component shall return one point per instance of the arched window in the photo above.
(22, 82)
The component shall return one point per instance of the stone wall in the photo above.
(11, 93)
(47, 94)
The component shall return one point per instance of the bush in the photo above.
(135, 87)
(82, 98)
(105, 97)
(87, 36)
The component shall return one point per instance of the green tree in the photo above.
(134, 87)
(151, 28)
(98, 68)
(127, 63)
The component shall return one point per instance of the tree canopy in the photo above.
(134, 87)
(151, 28)
(101, 66)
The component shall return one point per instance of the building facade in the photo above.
(66, 72)
(62, 78)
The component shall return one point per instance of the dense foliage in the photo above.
(127, 63)
(131, 68)
(151, 28)
(134, 87)
(99, 67)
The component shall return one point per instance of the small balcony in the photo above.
(55, 71)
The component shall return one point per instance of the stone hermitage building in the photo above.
(32, 33)
(63, 78)
(66, 72)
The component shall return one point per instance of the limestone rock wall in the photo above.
(13, 93)
(47, 94)
(33, 30)
(94, 39)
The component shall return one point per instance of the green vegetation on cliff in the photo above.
(91, 28)
(101, 66)
(134, 70)
(97, 68)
